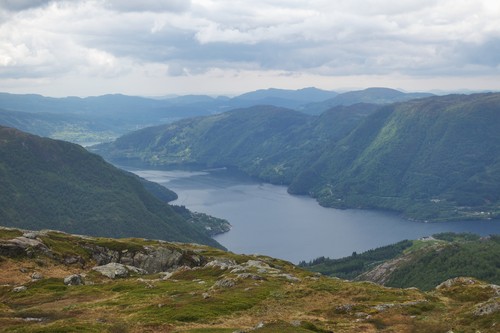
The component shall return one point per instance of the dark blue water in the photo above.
(267, 220)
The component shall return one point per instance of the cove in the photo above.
(267, 220)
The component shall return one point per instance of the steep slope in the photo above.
(271, 143)
(369, 95)
(57, 185)
(423, 263)
(434, 158)
(55, 282)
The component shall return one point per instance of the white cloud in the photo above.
(190, 39)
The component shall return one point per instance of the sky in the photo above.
(225, 47)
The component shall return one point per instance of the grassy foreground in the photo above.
(209, 290)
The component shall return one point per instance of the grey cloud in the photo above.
(19, 5)
(149, 5)
(189, 37)
(486, 53)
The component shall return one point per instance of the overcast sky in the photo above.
(155, 47)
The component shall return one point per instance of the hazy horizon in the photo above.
(232, 95)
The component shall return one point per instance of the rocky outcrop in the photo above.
(487, 308)
(21, 246)
(381, 273)
(19, 289)
(115, 270)
(150, 259)
(459, 281)
(224, 283)
(73, 280)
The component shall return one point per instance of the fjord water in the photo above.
(267, 220)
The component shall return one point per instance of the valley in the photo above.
(256, 166)
(267, 220)
(431, 159)
(382, 173)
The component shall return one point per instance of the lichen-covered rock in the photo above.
(256, 264)
(36, 276)
(73, 280)
(222, 263)
(115, 270)
(250, 276)
(19, 289)
(155, 260)
(456, 282)
(31, 234)
(21, 246)
(487, 308)
(225, 283)
(152, 259)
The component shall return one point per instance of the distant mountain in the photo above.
(434, 158)
(49, 184)
(370, 95)
(419, 263)
(100, 118)
(103, 118)
(282, 97)
(304, 95)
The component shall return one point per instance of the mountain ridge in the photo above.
(104, 118)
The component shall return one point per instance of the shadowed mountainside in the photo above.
(58, 185)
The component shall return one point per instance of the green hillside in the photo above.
(56, 282)
(50, 184)
(271, 143)
(432, 159)
(436, 158)
(419, 263)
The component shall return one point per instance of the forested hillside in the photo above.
(272, 143)
(436, 158)
(50, 184)
(419, 263)
(432, 159)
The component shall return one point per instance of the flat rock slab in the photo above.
(115, 270)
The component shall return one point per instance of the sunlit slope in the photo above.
(432, 158)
